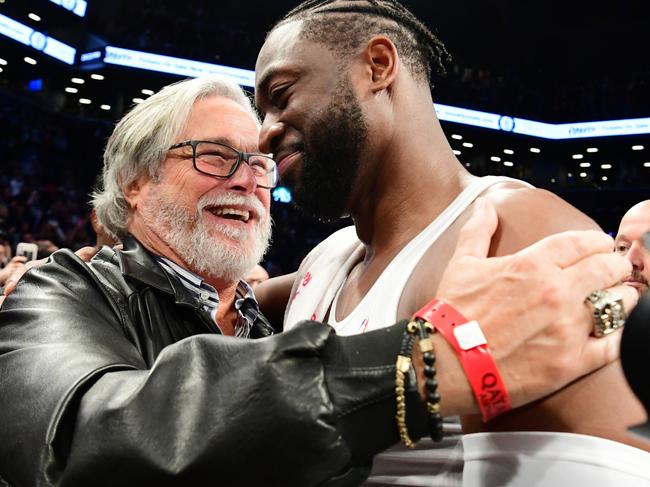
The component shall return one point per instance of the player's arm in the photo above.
(273, 296)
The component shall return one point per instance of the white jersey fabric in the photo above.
(324, 271)
(318, 283)
(533, 458)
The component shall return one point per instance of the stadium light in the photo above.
(36, 40)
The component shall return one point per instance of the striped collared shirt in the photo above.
(245, 301)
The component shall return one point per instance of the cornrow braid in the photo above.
(358, 20)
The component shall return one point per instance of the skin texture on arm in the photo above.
(584, 406)
(273, 295)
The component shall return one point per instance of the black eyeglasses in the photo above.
(221, 160)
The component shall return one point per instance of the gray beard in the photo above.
(218, 251)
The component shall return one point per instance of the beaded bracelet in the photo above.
(402, 368)
(403, 365)
(433, 398)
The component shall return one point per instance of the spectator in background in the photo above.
(628, 243)
(45, 248)
(5, 253)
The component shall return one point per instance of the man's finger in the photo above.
(10, 285)
(475, 236)
(598, 271)
(599, 352)
(15, 276)
(86, 253)
(19, 259)
(567, 248)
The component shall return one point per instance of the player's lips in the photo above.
(286, 160)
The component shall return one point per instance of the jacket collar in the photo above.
(138, 264)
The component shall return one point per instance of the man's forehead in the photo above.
(282, 47)
(222, 120)
(632, 226)
(280, 41)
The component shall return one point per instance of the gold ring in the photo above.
(608, 312)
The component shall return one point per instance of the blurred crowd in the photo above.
(48, 165)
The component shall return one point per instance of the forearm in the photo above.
(273, 296)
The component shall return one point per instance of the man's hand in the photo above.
(531, 308)
(14, 264)
(84, 253)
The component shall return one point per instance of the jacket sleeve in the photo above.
(79, 407)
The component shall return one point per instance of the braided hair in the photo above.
(352, 22)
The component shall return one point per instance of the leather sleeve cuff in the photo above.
(360, 376)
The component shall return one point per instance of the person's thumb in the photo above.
(475, 236)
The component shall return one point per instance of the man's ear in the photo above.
(134, 190)
(382, 61)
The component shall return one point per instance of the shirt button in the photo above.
(204, 295)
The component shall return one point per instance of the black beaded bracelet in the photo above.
(433, 397)
(424, 329)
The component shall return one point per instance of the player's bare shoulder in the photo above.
(528, 214)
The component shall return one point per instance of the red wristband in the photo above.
(470, 344)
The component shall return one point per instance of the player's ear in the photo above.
(382, 61)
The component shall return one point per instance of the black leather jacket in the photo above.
(111, 374)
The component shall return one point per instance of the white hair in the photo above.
(140, 140)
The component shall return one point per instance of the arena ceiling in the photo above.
(542, 45)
